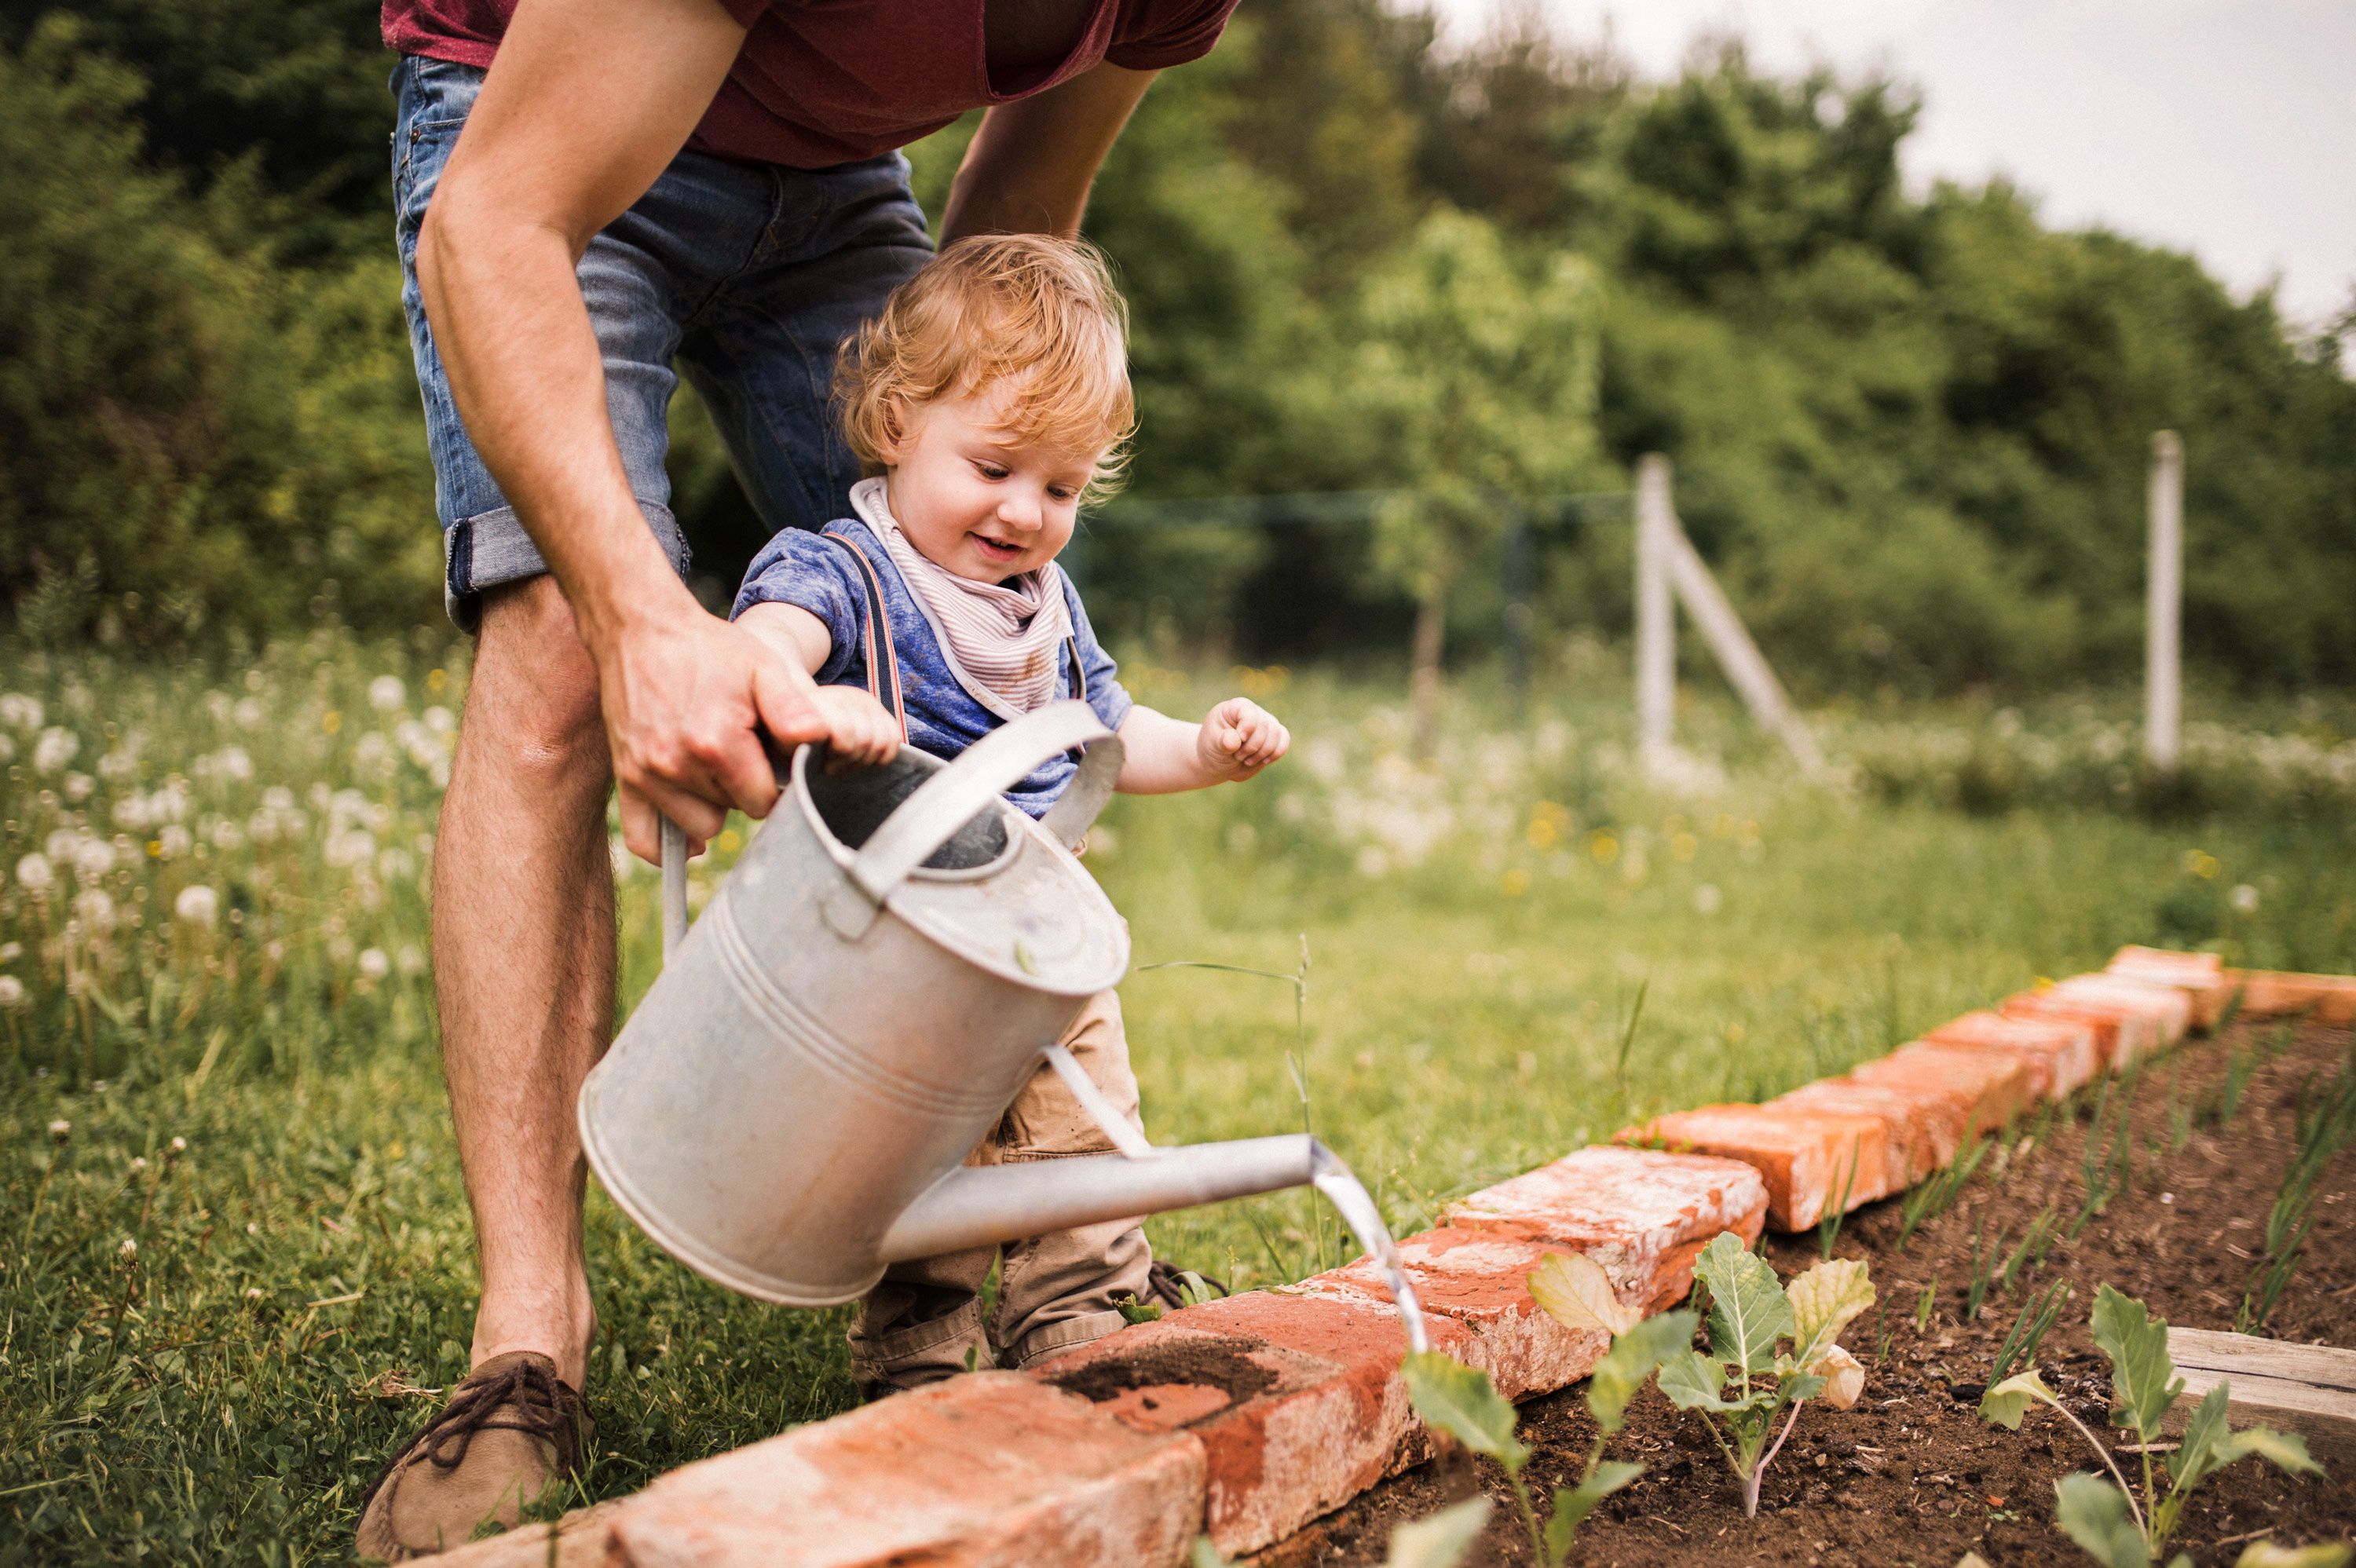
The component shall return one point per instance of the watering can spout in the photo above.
(978, 1205)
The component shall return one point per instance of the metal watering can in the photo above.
(790, 1107)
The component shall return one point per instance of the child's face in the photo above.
(973, 499)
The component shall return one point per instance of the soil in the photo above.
(1912, 1477)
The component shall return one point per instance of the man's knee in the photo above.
(532, 700)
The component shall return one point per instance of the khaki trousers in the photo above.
(1056, 1292)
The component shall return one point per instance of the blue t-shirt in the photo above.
(799, 568)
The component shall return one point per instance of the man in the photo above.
(588, 192)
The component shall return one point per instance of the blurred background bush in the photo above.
(1909, 434)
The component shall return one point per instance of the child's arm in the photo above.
(1166, 755)
(858, 727)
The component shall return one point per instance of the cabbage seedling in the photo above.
(1744, 1380)
(2108, 1521)
(1463, 1402)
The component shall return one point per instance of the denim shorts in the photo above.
(747, 277)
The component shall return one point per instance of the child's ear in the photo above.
(894, 434)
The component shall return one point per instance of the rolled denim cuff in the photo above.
(491, 548)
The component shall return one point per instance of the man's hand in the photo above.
(1238, 738)
(682, 698)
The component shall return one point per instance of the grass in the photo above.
(1486, 937)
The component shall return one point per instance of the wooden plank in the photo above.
(2306, 1388)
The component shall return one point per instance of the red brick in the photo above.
(2169, 1009)
(1804, 1153)
(2270, 993)
(1479, 1278)
(2121, 1034)
(2061, 1054)
(2199, 976)
(1643, 1215)
(1294, 1397)
(993, 1470)
(1991, 1088)
(1925, 1133)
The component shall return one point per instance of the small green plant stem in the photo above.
(2111, 1465)
(1751, 1483)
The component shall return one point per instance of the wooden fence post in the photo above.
(2163, 668)
(1657, 649)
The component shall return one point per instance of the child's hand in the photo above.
(859, 730)
(1239, 738)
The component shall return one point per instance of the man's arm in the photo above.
(586, 105)
(1028, 169)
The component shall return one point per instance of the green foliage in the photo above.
(194, 441)
(1463, 1402)
(2106, 1520)
(2323, 1128)
(1749, 1316)
(1910, 432)
(1936, 1193)
(2029, 1331)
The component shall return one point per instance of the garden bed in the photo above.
(1912, 1475)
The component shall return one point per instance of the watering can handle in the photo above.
(930, 816)
(1000, 760)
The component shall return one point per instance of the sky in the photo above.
(2222, 127)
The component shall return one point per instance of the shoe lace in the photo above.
(524, 1396)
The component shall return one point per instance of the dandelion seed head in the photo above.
(33, 872)
(95, 908)
(386, 693)
(59, 1131)
(138, 1162)
(2245, 899)
(197, 904)
(12, 991)
(129, 1249)
(19, 712)
(374, 963)
(179, 1146)
(78, 787)
(55, 748)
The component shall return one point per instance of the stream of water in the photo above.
(1349, 1195)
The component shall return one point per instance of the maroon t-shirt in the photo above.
(827, 81)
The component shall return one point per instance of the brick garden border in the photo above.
(1249, 1417)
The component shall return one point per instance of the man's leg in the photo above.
(524, 962)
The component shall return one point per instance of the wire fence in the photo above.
(1523, 521)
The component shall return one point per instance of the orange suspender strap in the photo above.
(883, 660)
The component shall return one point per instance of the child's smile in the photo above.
(973, 498)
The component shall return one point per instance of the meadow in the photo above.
(236, 1252)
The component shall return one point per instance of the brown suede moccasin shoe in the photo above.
(511, 1431)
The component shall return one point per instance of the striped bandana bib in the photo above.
(1003, 642)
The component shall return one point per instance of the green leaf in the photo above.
(1572, 1505)
(1631, 1360)
(1463, 1402)
(1206, 1555)
(2322, 1554)
(1441, 1541)
(1824, 1301)
(1697, 1381)
(1748, 1309)
(2006, 1403)
(2095, 1515)
(2287, 1450)
(2199, 1453)
(2143, 1378)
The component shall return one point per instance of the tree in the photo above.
(1479, 376)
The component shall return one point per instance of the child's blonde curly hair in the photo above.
(1037, 310)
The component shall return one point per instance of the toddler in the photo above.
(986, 401)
